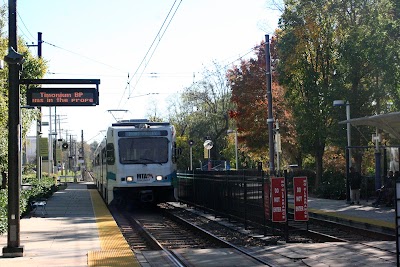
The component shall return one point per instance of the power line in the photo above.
(247, 52)
(83, 56)
(128, 85)
(148, 74)
(157, 39)
(84, 74)
(23, 23)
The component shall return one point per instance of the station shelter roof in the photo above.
(389, 122)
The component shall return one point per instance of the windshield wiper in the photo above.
(150, 161)
(130, 161)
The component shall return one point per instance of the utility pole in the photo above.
(83, 166)
(39, 119)
(55, 141)
(39, 122)
(14, 60)
(50, 158)
(270, 119)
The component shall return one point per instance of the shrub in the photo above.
(299, 173)
(3, 210)
(333, 185)
(38, 189)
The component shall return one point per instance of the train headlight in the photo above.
(129, 179)
(159, 178)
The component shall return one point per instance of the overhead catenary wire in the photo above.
(225, 66)
(157, 39)
(83, 56)
(148, 74)
(23, 23)
(139, 73)
(242, 55)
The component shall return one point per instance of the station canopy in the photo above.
(389, 122)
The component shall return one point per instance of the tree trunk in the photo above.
(318, 165)
(3, 180)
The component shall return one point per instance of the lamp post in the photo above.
(191, 143)
(348, 165)
(278, 147)
(236, 147)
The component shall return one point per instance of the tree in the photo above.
(306, 69)
(248, 85)
(368, 59)
(201, 112)
(327, 51)
(33, 68)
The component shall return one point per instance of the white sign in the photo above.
(208, 144)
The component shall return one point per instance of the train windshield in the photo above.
(147, 150)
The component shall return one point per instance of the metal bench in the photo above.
(41, 204)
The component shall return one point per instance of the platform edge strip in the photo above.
(356, 219)
(115, 251)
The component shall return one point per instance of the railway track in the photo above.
(316, 230)
(159, 229)
(171, 229)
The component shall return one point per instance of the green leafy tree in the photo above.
(368, 59)
(306, 49)
(33, 68)
(200, 113)
(332, 50)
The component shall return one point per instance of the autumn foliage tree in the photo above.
(248, 84)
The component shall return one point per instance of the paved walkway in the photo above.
(63, 237)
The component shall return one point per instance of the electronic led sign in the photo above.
(62, 97)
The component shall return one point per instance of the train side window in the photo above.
(110, 154)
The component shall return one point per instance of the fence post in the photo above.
(245, 200)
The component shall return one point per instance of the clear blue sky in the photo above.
(106, 40)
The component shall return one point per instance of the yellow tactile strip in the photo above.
(356, 219)
(115, 250)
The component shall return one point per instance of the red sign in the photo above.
(300, 190)
(278, 199)
(267, 211)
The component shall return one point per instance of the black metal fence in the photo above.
(368, 191)
(237, 195)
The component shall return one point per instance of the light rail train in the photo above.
(136, 161)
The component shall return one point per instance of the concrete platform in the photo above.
(364, 213)
(76, 231)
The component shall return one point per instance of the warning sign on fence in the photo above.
(278, 197)
(300, 189)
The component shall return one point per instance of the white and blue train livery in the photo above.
(136, 161)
